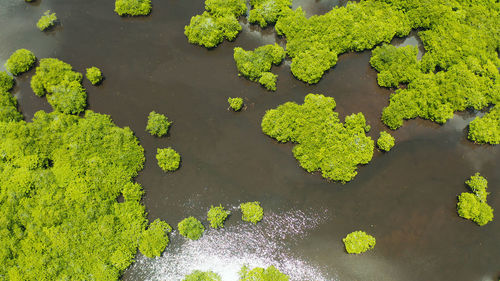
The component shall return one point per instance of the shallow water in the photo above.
(405, 198)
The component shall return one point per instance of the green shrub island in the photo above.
(358, 242)
(265, 12)
(158, 124)
(133, 7)
(323, 143)
(168, 159)
(219, 21)
(154, 240)
(191, 228)
(8, 103)
(46, 21)
(198, 275)
(235, 103)
(217, 215)
(486, 129)
(385, 141)
(396, 65)
(63, 86)
(94, 75)
(255, 65)
(473, 206)
(252, 212)
(262, 274)
(6, 81)
(20, 61)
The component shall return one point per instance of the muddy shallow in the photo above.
(405, 198)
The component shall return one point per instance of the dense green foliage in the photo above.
(60, 177)
(46, 21)
(8, 108)
(94, 75)
(20, 61)
(191, 228)
(358, 242)
(217, 215)
(323, 143)
(235, 103)
(155, 239)
(473, 206)
(261, 274)
(168, 159)
(219, 21)
(133, 7)
(251, 212)
(63, 85)
(6, 81)
(486, 129)
(266, 12)
(255, 65)
(395, 65)
(158, 124)
(198, 275)
(385, 141)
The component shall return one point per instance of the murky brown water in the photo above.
(405, 198)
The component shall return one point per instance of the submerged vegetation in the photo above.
(133, 7)
(486, 129)
(255, 65)
(217, 215)
(358, 242)
(20, 61)
(46, 21)
(323, 143)
(94, 75)
(198, 275)
(191, 228)
(473, 206)
(158, 124)
(262, 274)
(251, 212)
(235, 103)
(385, 141)
(154, 239)
(168, 159)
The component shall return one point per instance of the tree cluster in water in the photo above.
(473, 206)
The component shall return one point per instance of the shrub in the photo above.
(261, 274)
(268, 80)
(473, 206)
(235, 103)
(94, 75)
(395, 65)
(486, 129)
(154, 240)
(252, 64)
(217, 215)
(158, 124)
(6, 82)
(323, 143)
(251, 212)
(358, 242)
(133, 7)
(385, 142)
(8, 108)
(198, 275)
(168, 159)
(191, 228)
(46, 21)
(233, 8)
(266, 12)
(20, 61)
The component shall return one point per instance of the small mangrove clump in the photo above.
(473, 206)
(168, 159)
(154, 240)
(265, 12)
(217, 215)
(255, 65)
(20, 61)
(251, 212)
(486, 129)
(262, 274)
(358, 242)
(133, 7)
(94, 75)
(198, 275)
(385, 141)
(191, 228)
(158, 124)
(8, 103)
(46, 21)
(235, 103)
(6, 81)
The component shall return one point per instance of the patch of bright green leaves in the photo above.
(358, 242)
(255, 65)
(46, 21)
(154, 240)
(486, 129)
(251, 212)
(6, 81)
(217, 215)
(168, 159)
(385, 141)
(262, 274)
(8, 103)
(265, 12)
(158, 124)
(198, 275)
(191, 228)
(94, 75)
(395, 65)
(323, 143)
(235, 103)
(20, 61)
(473, 206)
(133, 7)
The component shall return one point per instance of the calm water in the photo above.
(405, 198)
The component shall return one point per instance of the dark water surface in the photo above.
(405, 198)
